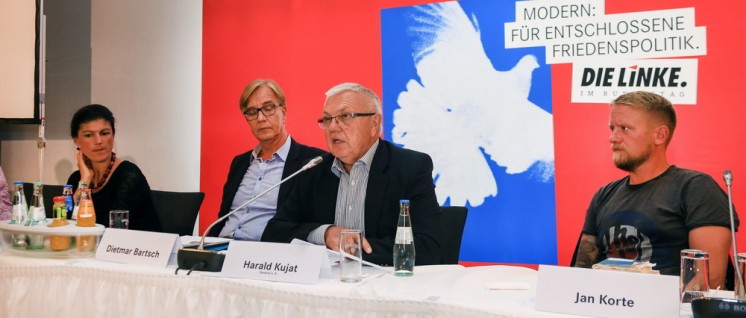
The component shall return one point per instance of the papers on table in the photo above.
(626, 265)
(211, 243)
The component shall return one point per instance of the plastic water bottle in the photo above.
(404, 243)
(67, 192)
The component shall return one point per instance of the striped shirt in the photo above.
(350, 209)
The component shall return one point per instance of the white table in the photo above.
(88, 288)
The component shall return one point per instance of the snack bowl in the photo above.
(67, 241)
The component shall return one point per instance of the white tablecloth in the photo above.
(88, 288)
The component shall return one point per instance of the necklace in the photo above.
(106, 173)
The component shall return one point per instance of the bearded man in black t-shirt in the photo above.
(658, 209)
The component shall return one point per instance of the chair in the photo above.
(48, 193)
(177, 211)
(454, 219)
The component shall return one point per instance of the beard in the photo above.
(627, 162)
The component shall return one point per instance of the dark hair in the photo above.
(90, 113)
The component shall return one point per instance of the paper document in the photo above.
(193, 241)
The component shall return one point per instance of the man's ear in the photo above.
(377, 130)
(661, 134)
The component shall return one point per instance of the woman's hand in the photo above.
(85, 167)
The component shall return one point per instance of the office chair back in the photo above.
(454, 220)
(177, 211)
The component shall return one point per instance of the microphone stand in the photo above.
(725, 307)
(211, 261)
(738, 289)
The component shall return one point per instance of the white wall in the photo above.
(144, 63)
(147, 66)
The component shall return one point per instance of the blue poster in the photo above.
(483, 113)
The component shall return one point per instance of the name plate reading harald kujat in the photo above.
(604, 293)
(279, 262)
(138, 247)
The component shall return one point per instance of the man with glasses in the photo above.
(276, 157)
(360, 187)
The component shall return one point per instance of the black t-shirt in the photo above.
(651, 221)
(127, 189)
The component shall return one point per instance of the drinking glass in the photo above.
(119, 219)
(694, 280)
(351, 263)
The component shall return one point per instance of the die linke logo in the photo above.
(601, 82)
(633, 77)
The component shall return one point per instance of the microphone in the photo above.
(211, 261)
(724, 307)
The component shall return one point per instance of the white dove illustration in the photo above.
(463, 111)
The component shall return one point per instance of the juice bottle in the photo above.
(86, 213)
(59, 243)
(86, 218)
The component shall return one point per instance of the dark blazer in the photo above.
(298, 155)
(395, 174)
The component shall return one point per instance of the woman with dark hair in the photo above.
(115, 184)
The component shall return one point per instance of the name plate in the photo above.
(278, 262)
(138, 247)
(605, 293)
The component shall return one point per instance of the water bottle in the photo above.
(404, 243)
(67, 192)
(37, 217)
(20, 208)
(19, 215)
(36, 214)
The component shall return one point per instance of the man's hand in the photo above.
(331, 238)
(587, 251)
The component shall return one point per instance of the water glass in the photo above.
(351, 263)
(694, 280)
(119, 219)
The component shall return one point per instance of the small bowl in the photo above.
(67, 241)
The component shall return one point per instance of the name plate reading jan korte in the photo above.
(605, 293)
(278, 262)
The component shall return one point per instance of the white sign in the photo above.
(603, 81)
(138, 247)
(605, 293)
(326, 262)
(279, 262)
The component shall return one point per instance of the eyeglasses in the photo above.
(342, 119)
(268, 110)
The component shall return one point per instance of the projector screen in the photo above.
(19, 62)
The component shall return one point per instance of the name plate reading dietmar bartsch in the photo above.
(138, 247)
(605, 293)
(278, 262)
